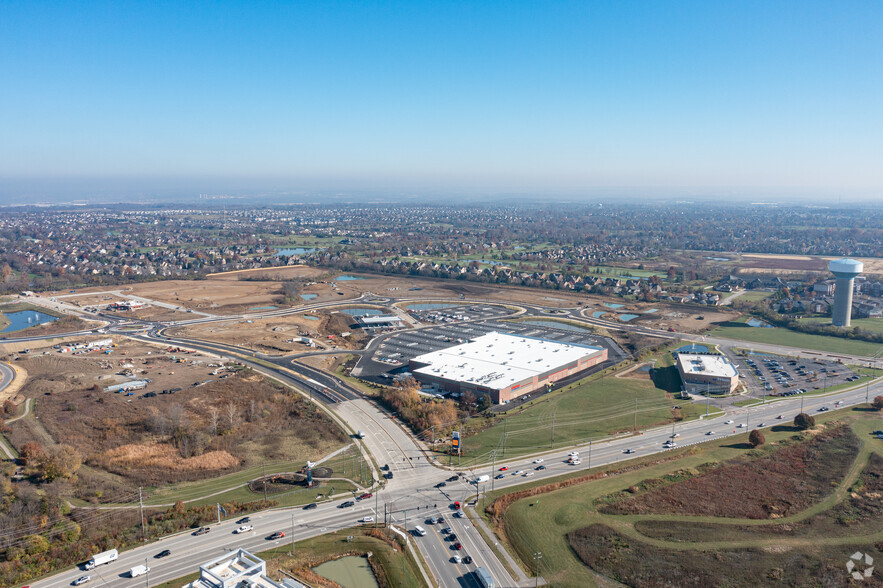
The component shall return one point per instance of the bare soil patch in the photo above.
(780, 484)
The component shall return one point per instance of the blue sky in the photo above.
(731, 98)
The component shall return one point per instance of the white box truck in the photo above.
(481, 479)
(105, 557)
(360, 435)
(138, 571)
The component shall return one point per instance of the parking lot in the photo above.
(774, 375)
(453, 328)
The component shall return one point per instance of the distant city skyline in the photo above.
(729, 100)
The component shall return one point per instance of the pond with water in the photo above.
(627, 317)
(263, 308)
(613, 305)
(295, 251)
(308, 296)
(598, 313)
(360, 311)
(693, 348)
(347, 278)
(754, 322)
(350, 572)
(22, 319)
(310, 317)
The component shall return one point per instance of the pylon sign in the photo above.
(455, 442)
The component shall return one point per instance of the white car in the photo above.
(742, 425)
(538, 460)
(517, 472)
(575, 462)
(780, 417)
(729, 422)
(527, 474)
(675, 435)
(244, 529)
(573, 454)
(457, 559)
(710, 433)
(366, 520)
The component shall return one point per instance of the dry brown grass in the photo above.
(163, 456)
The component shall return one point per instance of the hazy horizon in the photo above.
(571, 100)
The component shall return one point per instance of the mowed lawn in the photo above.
(870, 325)
(589, 410)
(780, 336)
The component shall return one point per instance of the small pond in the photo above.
(263, 308)
(310, 317)
(599, 313)
(295, 251)
(693, 348)
(347, 278)
(360, 311)
(23, 319)
(755, 322)
(308, 296)
(613, 305)
(349, 572)
(627, 317)
(651, 310)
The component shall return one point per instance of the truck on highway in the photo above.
(484, 578)
(360, 434)
(105, 557)
(138, 571)
(482, 478)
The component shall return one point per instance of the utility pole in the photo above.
(493, 467)
(141, 507)
(147, 573)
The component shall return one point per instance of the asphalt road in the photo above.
(7, 375)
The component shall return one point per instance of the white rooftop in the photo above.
(497, 360)
(708, 365)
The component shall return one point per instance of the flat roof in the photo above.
(384, 318)
(706, 365)
(498, 360)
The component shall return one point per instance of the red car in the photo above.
(504, 468)
(276, 535)
(458, 546)
(365, 495)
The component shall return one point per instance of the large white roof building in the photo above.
(704, 372)
(505, 366)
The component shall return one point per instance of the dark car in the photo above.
(441, 484)
(276, 535)
(346, 504)
(453, 478)
(458, 546)
(149, 395)
(243, 520)
(467, 559)
(542, 467)
(201, 531)
(311, 506)
(164, 553)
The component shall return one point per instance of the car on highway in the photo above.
(629, 451)
(431, 521)
(517, 472)
(824, 409)
(575, 462)
(780, 417)
(365, 496)
(441, 520)
(447, 530)
(201, 531)
(538, 460)
(311, 506)
(441, 484)
(81, 580)
(453, 478)
(540, 467)
(730, 422)
(458, 546)
(669, 444)
(459, 514)
(346, 504)
(457, 559)
(467, 559)
(499, 476)
(276, 535)
(244, 529)
(573, 454)
(366, 520)
(742, 425)
(710, 433)
(243, 521)
(163, 553)
(526, 474)
(503, 469)
(759, 425)
(675, 435)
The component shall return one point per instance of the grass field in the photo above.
(781, 336)
(870, 325)
(592, 408)
(754, 295)
(542, 523)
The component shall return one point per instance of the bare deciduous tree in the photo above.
(232, 415)
(214, 414)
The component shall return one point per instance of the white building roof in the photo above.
(379, 319)
(706, 365)
(497, 360)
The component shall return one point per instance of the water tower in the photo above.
(845, 270)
